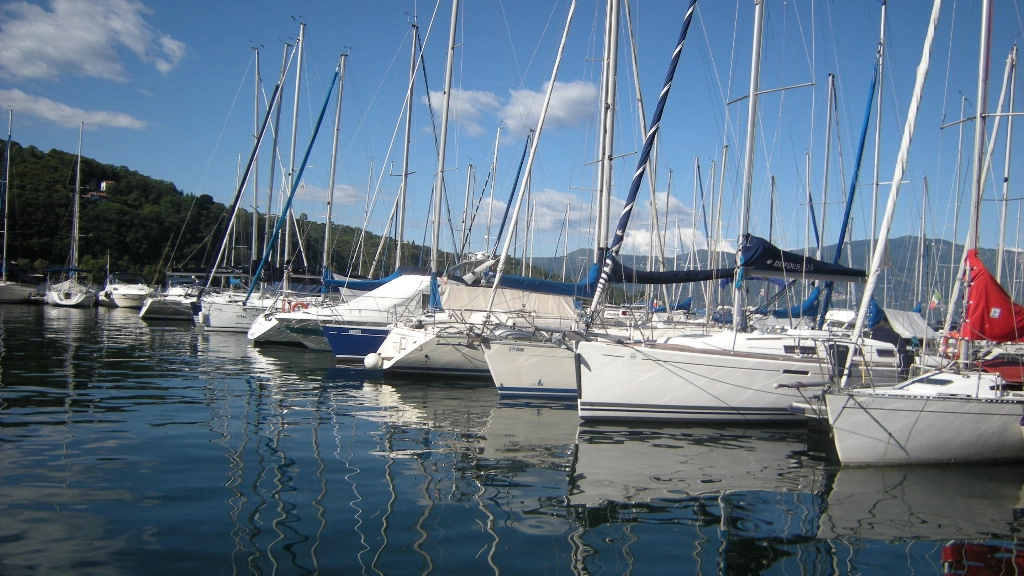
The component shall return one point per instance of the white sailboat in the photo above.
(10, 290)
(352, 328)
(969, 411)
(732, 375)
(70, 286)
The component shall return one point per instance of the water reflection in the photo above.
(132, 447)
(933, 503)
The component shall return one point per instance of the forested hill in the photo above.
(142, 225)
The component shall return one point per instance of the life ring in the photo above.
(950, 345)
(299, 306)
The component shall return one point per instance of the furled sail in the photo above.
(761, 258)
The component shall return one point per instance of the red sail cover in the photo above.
(991, 314)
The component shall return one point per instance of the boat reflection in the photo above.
(925, 503)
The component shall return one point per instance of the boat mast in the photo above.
(1011, 63)
(977, 172)
(275, 131)
(74, 219)
(494, 178)
(881, 248)
(638, 174)
(7, 190)
(402, 192)
(326, 262)
(435, 252)
(286, 214)
(536, 132)
(828, 160)
(880, 62)
(739, 297)
(605, 144)
(255, 176)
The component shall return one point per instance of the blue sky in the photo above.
(167, 88)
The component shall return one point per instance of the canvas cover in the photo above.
(909, 324)
(475, 299)
(759, 257)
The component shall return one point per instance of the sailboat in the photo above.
(731, 375)
(70, 286)
(962, 413)
(473, 307)
(10, 291)
(970, 410)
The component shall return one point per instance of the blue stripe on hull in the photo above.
(354, 342)
(429, 372)
(537, 391)
(609, 411)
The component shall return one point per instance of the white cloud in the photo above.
(571, 103)
(81, 39)
(65, 115)
(468, 108)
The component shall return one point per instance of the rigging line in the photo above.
(295, 181)
(508, 32)
(620, 228)
(415, 38)
(726, 128)
(223, 127)
(380, 86)
(472, 215)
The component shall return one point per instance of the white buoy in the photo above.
(373, 361)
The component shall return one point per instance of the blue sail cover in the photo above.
(367, 285)
(620, 274)
(681, 305)
(807, 309)
(760, 257)
(624, 274)
(582, 289)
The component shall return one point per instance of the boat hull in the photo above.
(229, 316)
(164, 308)
(537, 369)
(680, 384)
(353, 343)
(11, 292)
(70, 294)
(875, 429)
(433, 352)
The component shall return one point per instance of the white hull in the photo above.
(375, 309)
(528, 368)
(302, 328)
(123, 298)
(922, 423)
(230, 316)
(124, 291)
(548, 368)
(70, 294)
(13, 292)
(167, 308)
(433, 352)
(675, 383)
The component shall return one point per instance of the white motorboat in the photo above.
(123, 290)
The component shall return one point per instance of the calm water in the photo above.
(128, 448)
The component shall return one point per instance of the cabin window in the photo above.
(800, 350)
